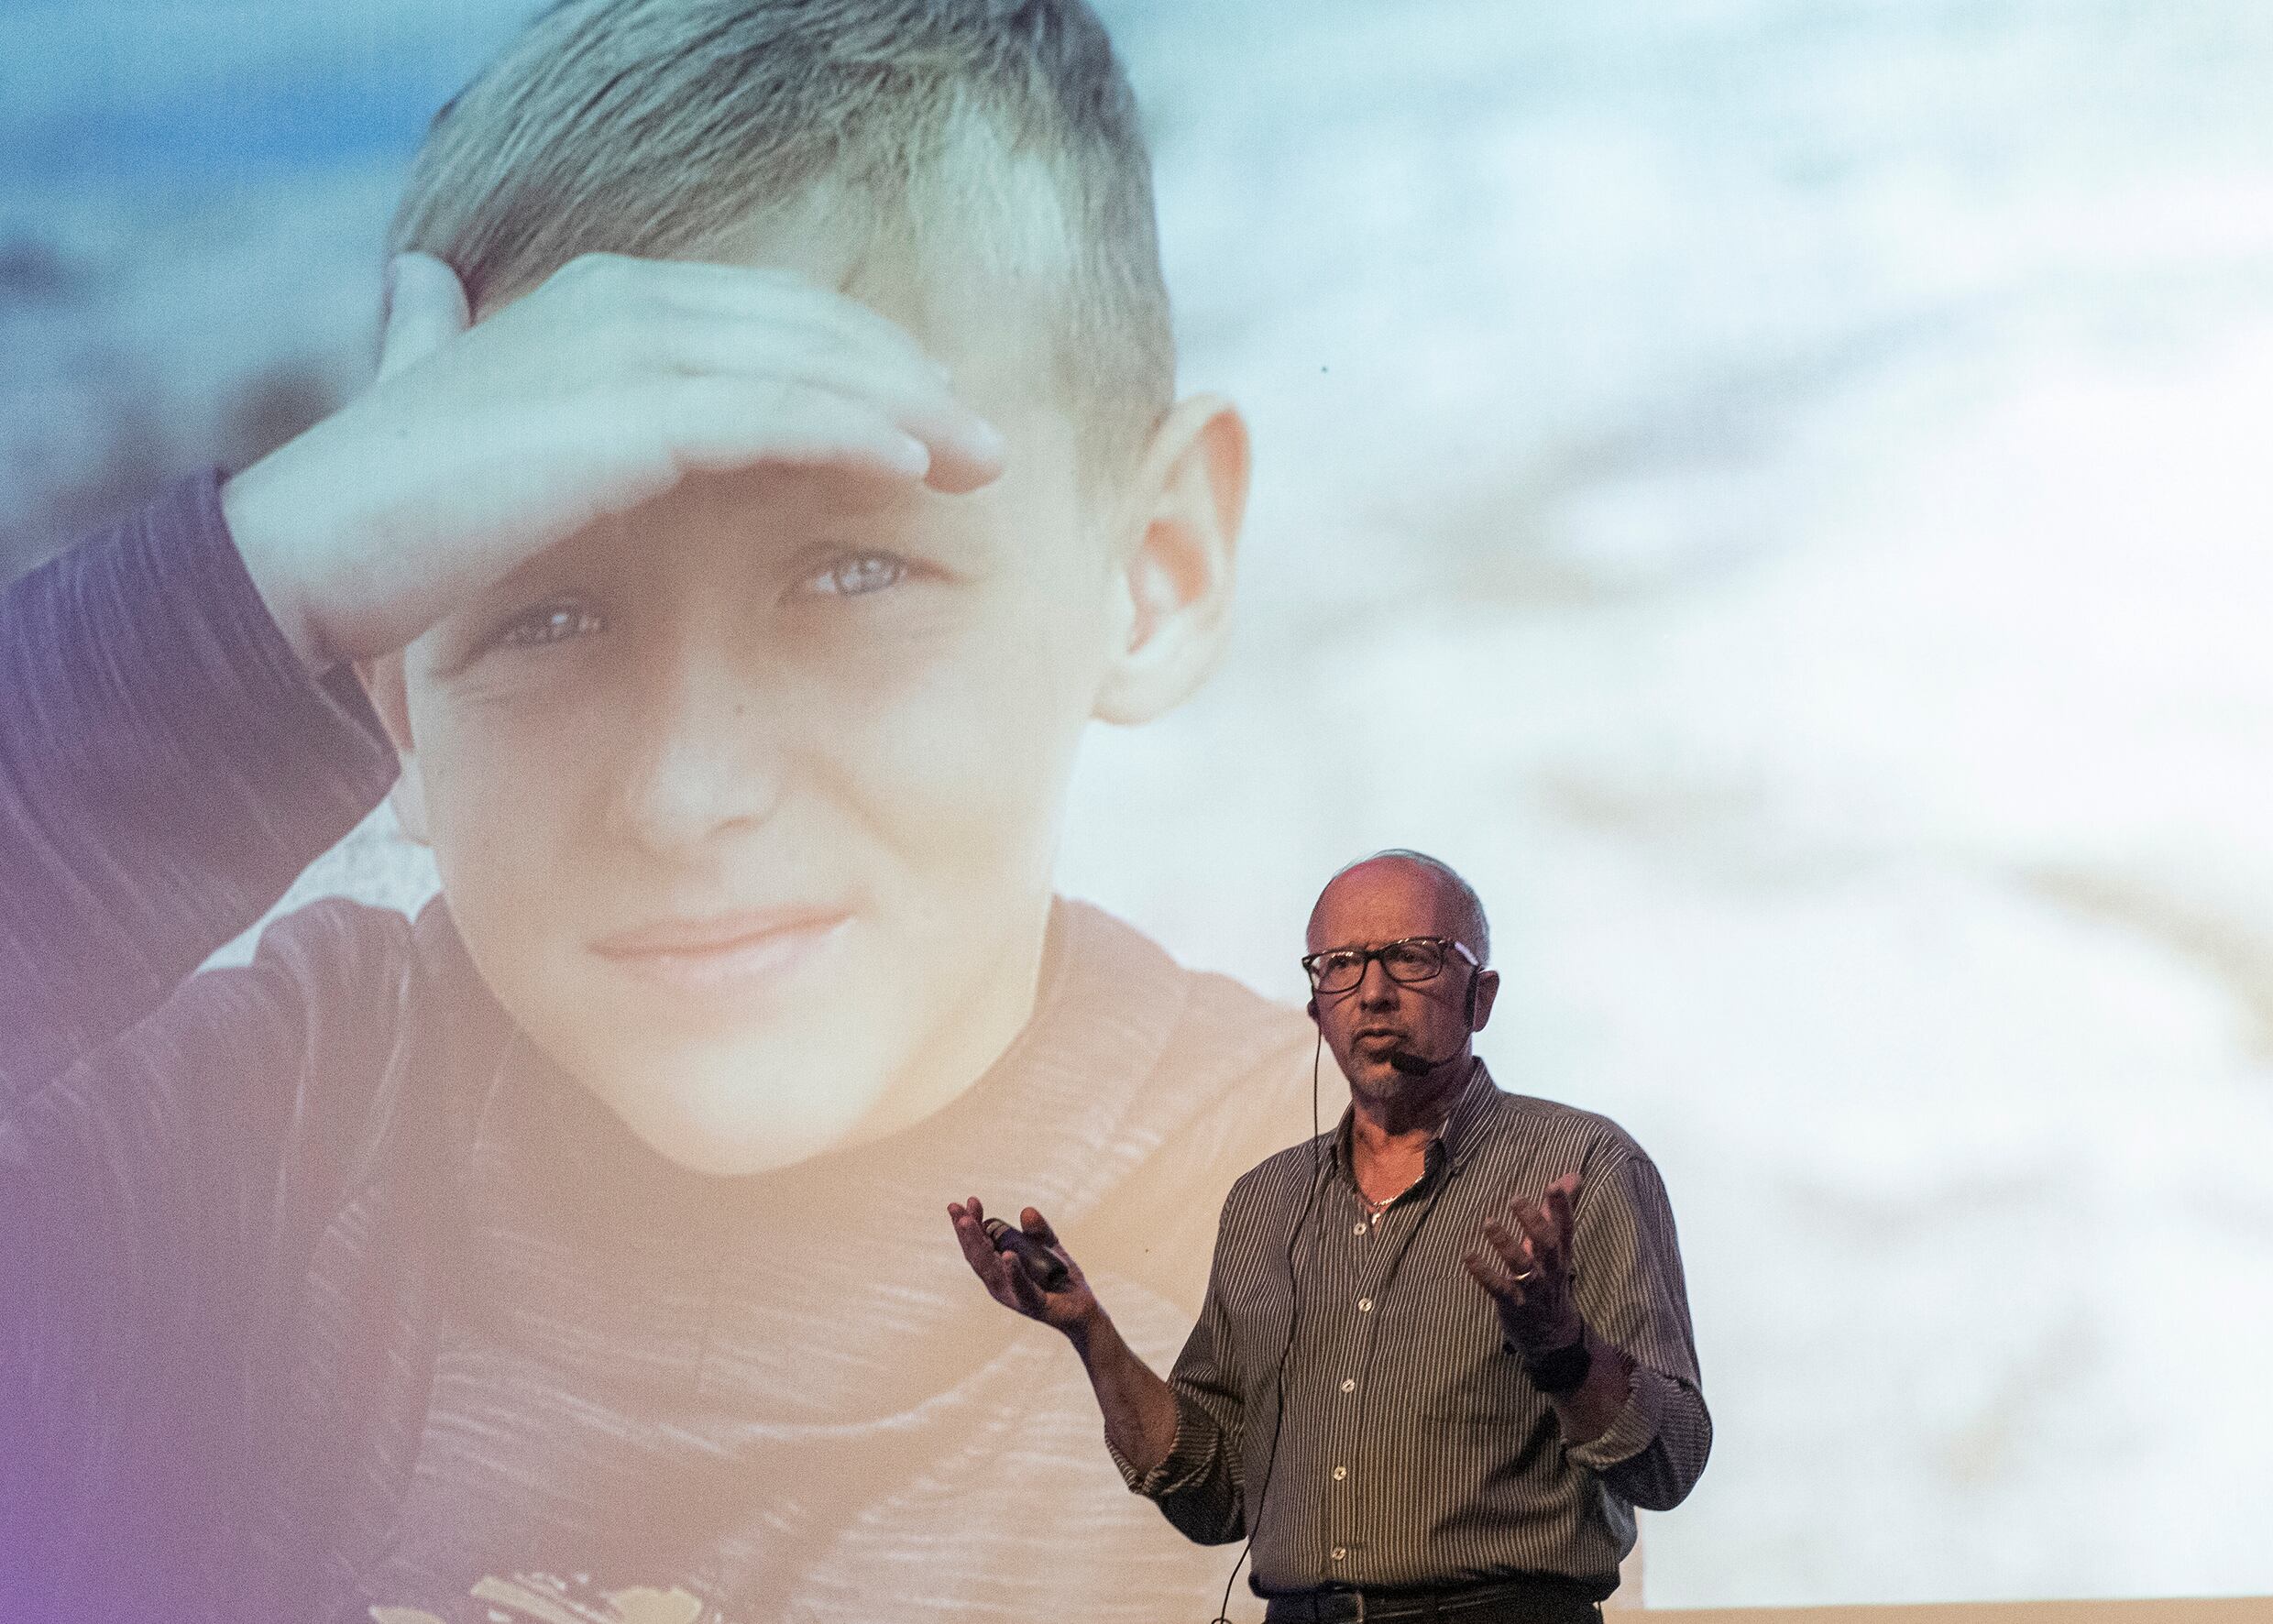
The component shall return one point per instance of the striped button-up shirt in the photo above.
(1408, 1446)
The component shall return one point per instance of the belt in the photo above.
(1514, 1601)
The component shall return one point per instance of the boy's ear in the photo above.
(1188, 499)
(382, 681)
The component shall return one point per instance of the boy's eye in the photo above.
(857, 573)
(546, 623)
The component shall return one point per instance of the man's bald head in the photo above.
(1458, 910)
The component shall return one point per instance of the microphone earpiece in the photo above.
(1310, 1009)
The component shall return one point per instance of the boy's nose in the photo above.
(711, 760)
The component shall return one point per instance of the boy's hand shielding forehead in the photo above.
(478, 448)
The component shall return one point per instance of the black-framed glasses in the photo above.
(1409, 960)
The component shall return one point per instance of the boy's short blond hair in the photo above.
(1004, 131)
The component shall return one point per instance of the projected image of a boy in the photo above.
(774, 466)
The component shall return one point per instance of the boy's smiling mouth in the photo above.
(723, 951)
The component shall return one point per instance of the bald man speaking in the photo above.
(1446, 1349)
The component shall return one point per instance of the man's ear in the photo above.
(382, 681)
(1487, 990)
(1188, 497)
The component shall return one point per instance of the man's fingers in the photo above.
(1514, 1249)
(1038, 1229)
(1560, 1195)
(1544, 1233)
(1017, 1289)
(425, 310)
(1493, 1276)
(1035, 1225)
(1535, 1223)
(1004, 1272)
(1007, 1281)
(978, 1251)
(1000, 1272)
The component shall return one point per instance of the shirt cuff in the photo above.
(1186, 1462)
(1632, 1430)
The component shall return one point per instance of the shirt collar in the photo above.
(1458, 1134)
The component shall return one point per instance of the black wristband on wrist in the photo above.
(1561, 1370)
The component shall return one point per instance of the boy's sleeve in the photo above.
(167, 766)
(155, 1195)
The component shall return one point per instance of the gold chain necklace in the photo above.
(1374, 1209)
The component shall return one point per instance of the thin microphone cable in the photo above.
(1294, 1309)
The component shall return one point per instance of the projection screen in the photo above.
(1761, 489)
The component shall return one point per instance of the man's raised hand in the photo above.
(1006, 1279)
(478, 447)
(1523, 1260)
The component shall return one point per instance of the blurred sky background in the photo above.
(1770, 488)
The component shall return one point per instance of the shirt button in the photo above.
(1365, 1305)
(1340, 1472)
(1339, 1553)
(1361, 1229)
(1349, 1384)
